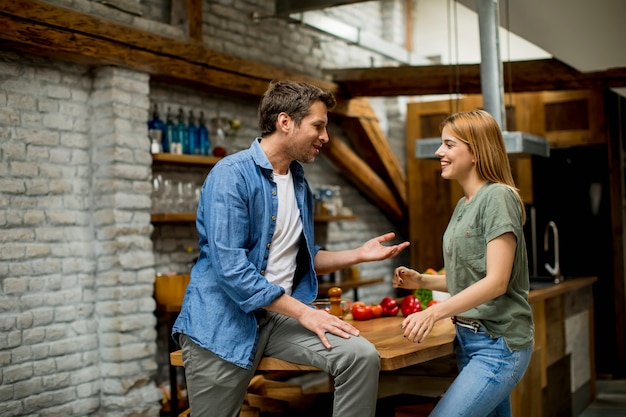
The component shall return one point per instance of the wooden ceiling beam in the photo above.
(371, 145)
(78, 36)
(363, 177)
(519, 76)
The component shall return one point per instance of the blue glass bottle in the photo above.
(169, 144)
(192, 133)
(181, 132)
(203, 136)
(156, 128)
(156, 122)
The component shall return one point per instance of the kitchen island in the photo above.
(561, 377)
(560, 380)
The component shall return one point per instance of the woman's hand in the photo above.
(418, 325)
(407, 278)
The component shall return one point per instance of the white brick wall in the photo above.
(78, 254)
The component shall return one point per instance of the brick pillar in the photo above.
(125, 262)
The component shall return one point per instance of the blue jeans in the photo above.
(488, 372)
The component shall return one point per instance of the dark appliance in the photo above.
(571, 188)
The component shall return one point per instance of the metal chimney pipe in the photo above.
(491, 79)
(492, 88)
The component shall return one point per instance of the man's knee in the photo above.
(365, 353)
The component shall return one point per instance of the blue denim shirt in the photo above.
(236, 219)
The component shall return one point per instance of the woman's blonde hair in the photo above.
(480, 131)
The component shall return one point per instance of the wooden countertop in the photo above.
(568, 285)
(395, 351)
(385, 333)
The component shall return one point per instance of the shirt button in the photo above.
(262, 271)
(269, 245)
(273, 192)
(274, 218)
(467, 233)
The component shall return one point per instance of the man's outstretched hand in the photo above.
(374, 250)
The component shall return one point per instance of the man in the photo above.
(250, 291)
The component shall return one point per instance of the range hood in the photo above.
(519, 143)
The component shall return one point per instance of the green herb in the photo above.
(424, 296)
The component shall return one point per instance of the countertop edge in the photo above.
(568, 285)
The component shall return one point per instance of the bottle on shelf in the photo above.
(203, 136)
(193, 147)
(182, 138)
(156, 131)
(169, 140)
(219, 125)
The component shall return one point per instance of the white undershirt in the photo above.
(281, 263)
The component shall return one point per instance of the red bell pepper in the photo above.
(390, 306)
(410, 304)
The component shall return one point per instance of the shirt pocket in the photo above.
(471, 244)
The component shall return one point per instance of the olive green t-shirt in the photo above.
(493, 211)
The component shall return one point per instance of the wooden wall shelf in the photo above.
(325, 218)
(191, 217)
(170, 158)
(172, 217)
(323, 287)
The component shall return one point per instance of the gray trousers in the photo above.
(216, 387)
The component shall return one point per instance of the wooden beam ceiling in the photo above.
(519, 76)
(39, 28)
(53, 30)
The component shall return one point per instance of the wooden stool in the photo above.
(268, 404)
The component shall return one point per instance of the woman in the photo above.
(486, 272)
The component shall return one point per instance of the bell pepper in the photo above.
(390, 306)
(410, 304)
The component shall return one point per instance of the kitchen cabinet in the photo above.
(560, 380)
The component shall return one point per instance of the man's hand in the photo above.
(321, 322)
(374, 250)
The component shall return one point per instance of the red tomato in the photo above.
(361, 311)
(377, 311)
(432, 302)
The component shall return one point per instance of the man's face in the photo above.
(307, 139)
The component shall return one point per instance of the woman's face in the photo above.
(457, 162)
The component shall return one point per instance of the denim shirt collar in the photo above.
(260, 158)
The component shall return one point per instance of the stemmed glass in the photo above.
(157, 193)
